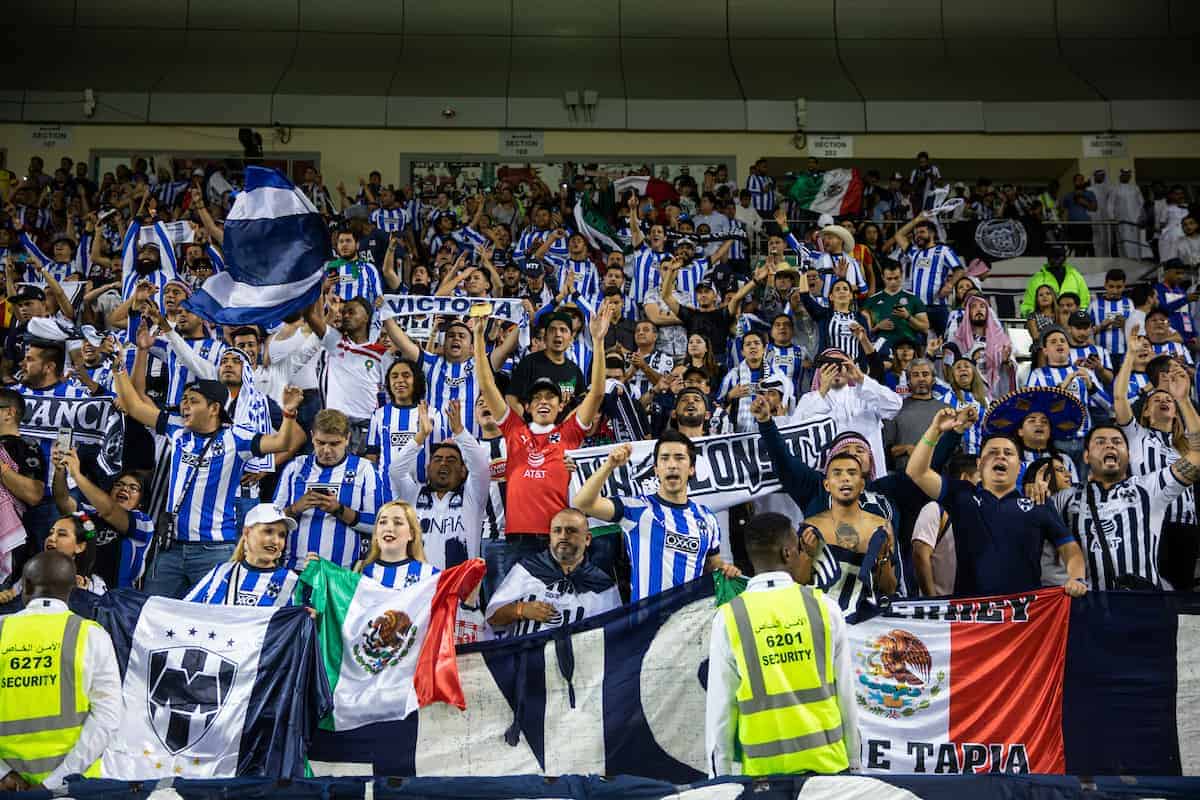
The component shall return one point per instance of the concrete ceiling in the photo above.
(835, 51)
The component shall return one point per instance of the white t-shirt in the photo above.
(943, 561)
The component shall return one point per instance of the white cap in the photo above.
(268, 512)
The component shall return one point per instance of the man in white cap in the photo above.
(835, 262)
(1125, 204)
(1101, 230)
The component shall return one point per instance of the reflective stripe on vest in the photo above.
(783, 729)
(35, 746)
(761, 701)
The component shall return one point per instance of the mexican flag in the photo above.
(595, 228)
(658, 190)
(387, 652)
(836, 192)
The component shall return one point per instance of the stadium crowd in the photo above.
(400, 444)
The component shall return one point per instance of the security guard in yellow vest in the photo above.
(780, 696)
(60, 692)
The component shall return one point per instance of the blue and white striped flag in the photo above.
(276, 246)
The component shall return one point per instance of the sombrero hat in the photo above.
(1062, 408)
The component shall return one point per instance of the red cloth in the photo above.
(536, 473)
(436, 677)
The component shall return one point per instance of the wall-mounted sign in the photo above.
(50, 135)
(522, 144)
(831, 146)
(1105, 145)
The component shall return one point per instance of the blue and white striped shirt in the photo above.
(587, 277)
(1173, 349)
(134, 544)
(646, 276)
(1082, 352)
(1136, 381)
(390, 220)
(393, 426)
(927, 271)
(399, 574)
(208, 512)
(825, 265)
(355, 483)
(169, 192)
(737, 250)
(762, 192)
(667, 542)
(79, 265)
(1101, 308)
(252, 586)
(168, 269)
(445, 381)
(973, 436)
(788, 360)
(357, 279)
(178, 375)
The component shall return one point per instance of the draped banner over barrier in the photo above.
(729, 469)
(624, 694)
(594, 787)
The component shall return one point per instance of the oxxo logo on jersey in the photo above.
(682, 543)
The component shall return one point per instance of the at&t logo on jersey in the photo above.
(536, 459)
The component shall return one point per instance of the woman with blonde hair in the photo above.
(257, 574)
(396, 557)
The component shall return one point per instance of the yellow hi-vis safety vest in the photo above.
(42, 700)
(788, 715)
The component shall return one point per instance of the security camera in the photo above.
(89, 103)
(449, 113)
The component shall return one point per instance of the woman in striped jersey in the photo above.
(394, 424)
(840, 325)
(966, 388)
(397, 555)
(255, 576)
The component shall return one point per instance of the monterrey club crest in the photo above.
(386, 642)
(187, 687)
(893, 675)
(1001, 238)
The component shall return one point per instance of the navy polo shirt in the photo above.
(998, 540)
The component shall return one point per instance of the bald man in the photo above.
(555, 587)
(44, 741)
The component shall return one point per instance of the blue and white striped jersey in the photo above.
(399, 574)
(788, 360)
(357, 279)
(762, 192)
(208, 511)
(646, 276)
(973, 436)
(79, 265)
(689, 277)
(667, 542)
(1083, 351)
(252, 586)
(737, 250)
(168, 269)
(1100, 309)
(102, 374)
(134, 544)
(532, 238)
(64, 388)
(744, 375)
(178, 375)
(390, 220)
(393, 426)
(169, 192)
(826, 263)
(1136, 381)
(1053, 376)
(1173, 349)
(355, 483)
(587, 277)
(445, 381)
(927, 271)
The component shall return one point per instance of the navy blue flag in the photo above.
(210, 691)
(276, 245)
(624, 693)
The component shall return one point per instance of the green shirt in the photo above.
(881, 305)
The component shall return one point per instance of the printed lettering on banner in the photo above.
(729, 469)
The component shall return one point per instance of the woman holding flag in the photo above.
(397, 555)
(256, 575)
